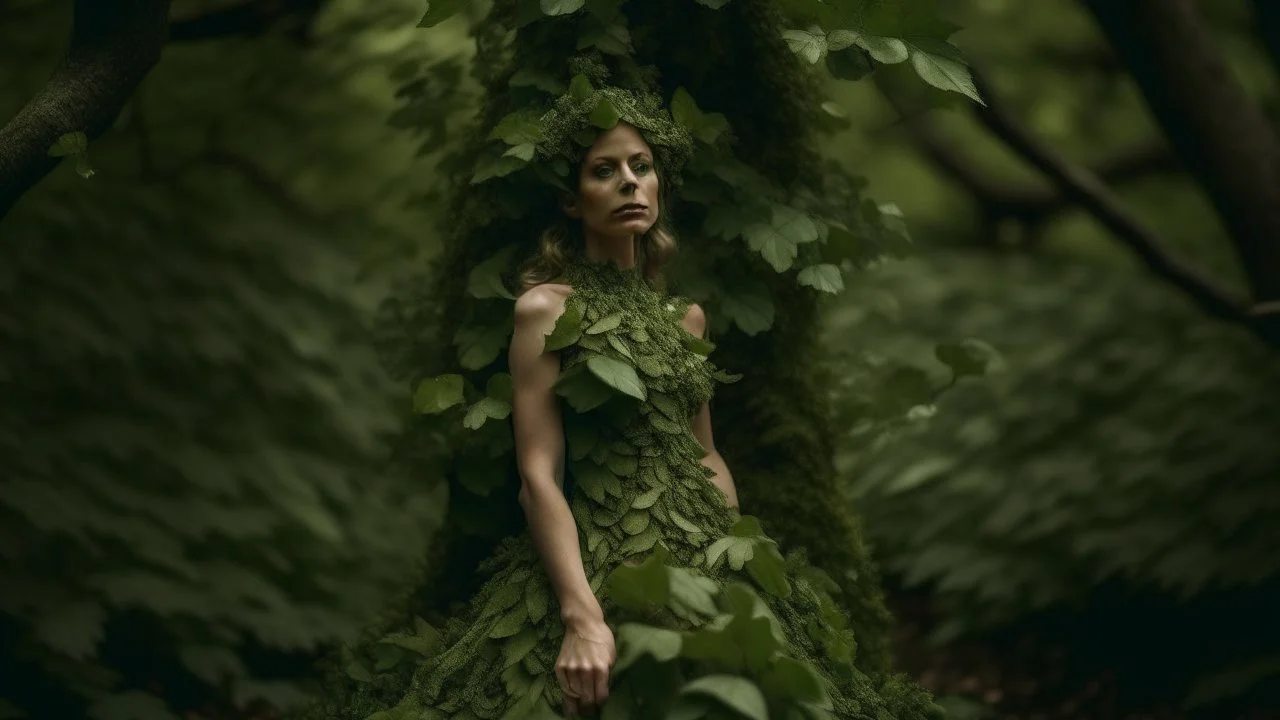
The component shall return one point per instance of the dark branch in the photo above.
(114, 44)
(1219, 132)
(249, 19)
(1083, 187)
(1030, 205)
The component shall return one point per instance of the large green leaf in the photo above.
(617, 374)
(737, 693)
(561, 7)
(568, 327)
(636, 641)
(440, 10)
(485, 279)
(748, 306)
(583, 390)
(825, 277)
(779, 239)
(438, 394)
(944, 71)
(640, 587)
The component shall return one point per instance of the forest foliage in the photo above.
(199, 493)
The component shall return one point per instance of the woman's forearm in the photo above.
(722, 479)
(555, 535)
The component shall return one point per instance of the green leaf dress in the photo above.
(711, 619)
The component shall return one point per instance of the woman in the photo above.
(638, 590)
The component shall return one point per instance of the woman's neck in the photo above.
(618, 251)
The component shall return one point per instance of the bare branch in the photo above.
(1219, 132)
(1084, 187)
(114, 44)
(1032, 205)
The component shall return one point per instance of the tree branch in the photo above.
(1031, 205)
(1084, 187)
(114, 44)
(1213, 125)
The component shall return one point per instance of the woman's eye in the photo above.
(641, 168)
(604, 171)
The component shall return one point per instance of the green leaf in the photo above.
(809, 46)
(519, 128)
(583, 390)
(491, 167)
(499, 387)
(707, 127)
(944, 73)
(438, 11)
(485, 279)
(768, 570)
(748, 306)
(824, 277)
(510, 624)
(747, 526)
(885, 50)
(849, 64)
(424, 644)
(605, 324)
(692, 592)
(568, 327)
(646, 499)
(69, 145)
(72, 629)
(697, 345)
(968, 357)
(636, 641)
(486, 409)
(737, 693)
(793, 679)
(437, 394)
(561, 7)
(354, 667)
(778, 241)
(518, 646)
(617, 375)
(638, 587)
(523, 152)
(605, 115)
(726, 377)
(580, 88)
(537, 599)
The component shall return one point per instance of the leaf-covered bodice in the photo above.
(633, 338)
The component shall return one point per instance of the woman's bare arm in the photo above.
(587, 652)
(695, 321)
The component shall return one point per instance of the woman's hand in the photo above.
(587, 654)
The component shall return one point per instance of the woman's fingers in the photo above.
(571, 708)
(601, 685)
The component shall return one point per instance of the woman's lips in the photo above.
(631, 210)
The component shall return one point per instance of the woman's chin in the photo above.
(634, 226)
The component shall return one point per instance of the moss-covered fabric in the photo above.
(711, 619)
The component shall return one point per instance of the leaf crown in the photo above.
(591, 106)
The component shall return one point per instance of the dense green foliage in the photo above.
(195, 497)
(791, 222)
(1126, 460)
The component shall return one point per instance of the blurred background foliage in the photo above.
(198, 494)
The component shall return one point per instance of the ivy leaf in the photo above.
(824, 277)
(582, 390)
(438, 11)
(692, 592)
(485, 409)
(485, 279)
(491, 167)
(480, 344)
(437, 394)
(707, 127)
(636, 641)
(605, 115)
(580, 88)
(778, 241)
(561, 7)
(768, 570)
(885, 50)
(808, 45)
(736, 693)
(749, 307)
(617, 375)
(518, 128)
(568, 327)
(945, 72)
(643, 586)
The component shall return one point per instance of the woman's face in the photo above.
(617, 186)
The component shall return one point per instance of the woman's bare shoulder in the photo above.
(542, 302)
